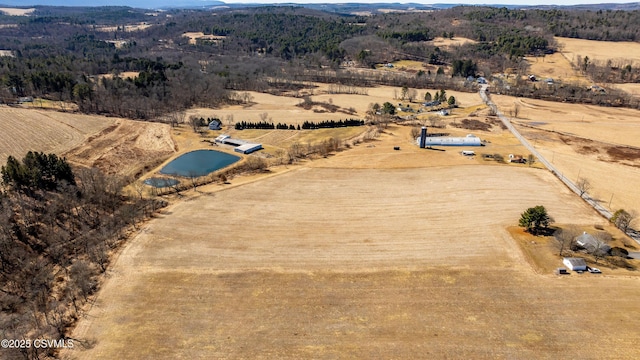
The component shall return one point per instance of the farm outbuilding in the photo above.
(575, 264)
(247, 148)
(241, 146)
(469, 140)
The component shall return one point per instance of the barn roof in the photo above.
(575, 262)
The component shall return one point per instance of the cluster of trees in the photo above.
(464, 68)
(423, 34)
(332, 124)
(37, 171)
(535, 220)
(57, 231)
(305, 125)
(439, 97)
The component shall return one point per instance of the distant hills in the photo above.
(344, 8)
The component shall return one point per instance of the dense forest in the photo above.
(63, 53)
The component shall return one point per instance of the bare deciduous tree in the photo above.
(194, 122)
(565, 236)
(415, 132)
(412, 94)
(176, 117)
(139, 186)
(193, 176)
(583, 185)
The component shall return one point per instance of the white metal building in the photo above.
(240, 146)
(469, 140)
(247, 148)
(575, 264)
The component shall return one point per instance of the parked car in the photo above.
(594, 270)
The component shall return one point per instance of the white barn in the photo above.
(469, 140)
(575, 264)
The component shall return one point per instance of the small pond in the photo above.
(161, 182)
(199, 163)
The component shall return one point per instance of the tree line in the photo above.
(306, 125)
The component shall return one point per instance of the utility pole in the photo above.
(610, 200)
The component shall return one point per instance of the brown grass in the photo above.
(194, 36)
(564, 130)
(556, 66)
(456, 41)
(126, 148)
(368, 253)
(16, 11)
(339, 262)
(623, 52)
(22, 130)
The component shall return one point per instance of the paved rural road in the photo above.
(596, 205)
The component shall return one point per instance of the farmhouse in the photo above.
(591, 244)
(240, 146)
(575, 264)
(215, 125)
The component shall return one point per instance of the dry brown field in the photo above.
(369, 253)
(600, 144)
(22, 130)
(193, 36)
(555, 66)
(456, 41)
(379, 262)
(631, 88)
(16, 11)
(123, 75)
(127, 147)
(619, 52)
(283, 108)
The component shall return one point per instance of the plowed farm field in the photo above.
(335, 262)
(22, 130)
